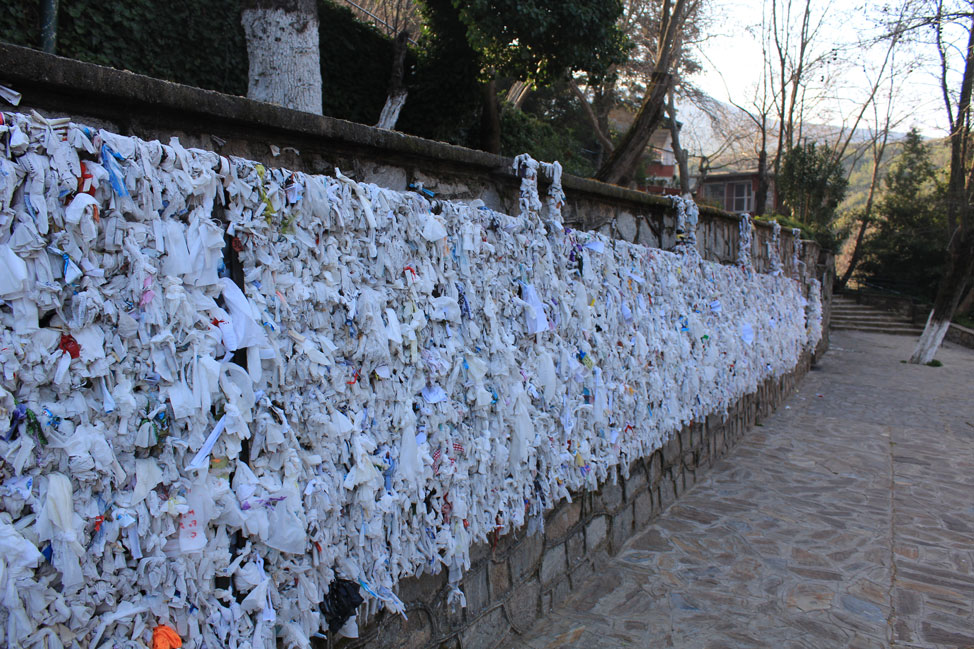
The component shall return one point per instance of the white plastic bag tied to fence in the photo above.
(744, 242)
(417, 377)
(775, 266)
(687, 216)
(797, 246)
(814, 314)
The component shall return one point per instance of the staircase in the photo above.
(847, 315)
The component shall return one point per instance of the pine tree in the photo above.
(905, 251)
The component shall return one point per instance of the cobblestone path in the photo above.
(846, 520)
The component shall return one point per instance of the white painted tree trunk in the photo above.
(285, 66)
(390, 112)
(930, 340)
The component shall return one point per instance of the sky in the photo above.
(732, 62)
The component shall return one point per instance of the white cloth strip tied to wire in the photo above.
(429, 380)
(744, 242)
(797, 246)
(556, 195)
(814, 314)
(775, 267)
(687, 215)
(526, 168)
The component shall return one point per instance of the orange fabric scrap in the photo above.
(164, 637)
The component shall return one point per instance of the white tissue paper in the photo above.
(418, 376)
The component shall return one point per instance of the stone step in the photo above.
(872, 322)
(847, 315)
(857, 308)
(895, 331)
(874, 315)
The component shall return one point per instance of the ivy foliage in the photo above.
(20, 23)
(197, 42)
(201, 43)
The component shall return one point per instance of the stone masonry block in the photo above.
(414, 633)
(476, 590)
(642, 510)
(626, 226)
(558, 593)
(421, 588)
(678, 480)
(553, 564)
(654, 467)
(667, 493)
(386, 176)
(636, 481)
(671, 451)
(713, 422)
(499, 574)
(524, 558)
(479, 551)
(611, 496)
(595, 532)
(524, 606)
(486, 632)
(562, 519)
(575, 547)
(621, 530)
(449, 617)
(581, 573)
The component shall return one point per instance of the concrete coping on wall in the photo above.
(79, 88)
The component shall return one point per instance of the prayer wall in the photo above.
(240, 391)
(330, 381)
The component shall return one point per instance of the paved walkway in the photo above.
(846, 520)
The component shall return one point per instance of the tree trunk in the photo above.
(678, 152)
(866, 215)
(967, 302)
(282, 48)
(517, 93)
(621, 164)
(604, 142)
(490, 119)
(960, 267)
(761, 195)
(960, 251)
(856, 253)
(396, 98)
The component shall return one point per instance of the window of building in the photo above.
(714, 193)
(743, 197)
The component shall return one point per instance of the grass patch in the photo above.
(965, 320)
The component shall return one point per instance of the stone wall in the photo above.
(131, 104)
(960, 335)
(516, 579)
(521, 577)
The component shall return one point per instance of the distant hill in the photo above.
(862, 169)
